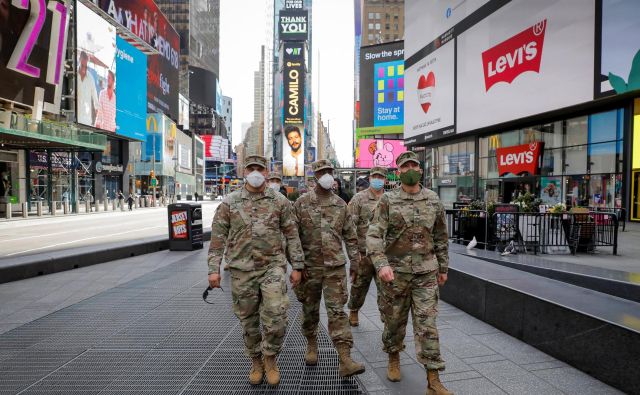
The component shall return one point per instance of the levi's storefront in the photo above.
(526, 96)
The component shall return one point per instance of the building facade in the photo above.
(559, 122)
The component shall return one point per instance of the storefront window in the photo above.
(576, 159)
(577, 131)
(605, 126)
(602, 158)
(552, 162)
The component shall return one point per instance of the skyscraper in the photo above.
(381, 21)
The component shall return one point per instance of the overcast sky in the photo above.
(242, 32)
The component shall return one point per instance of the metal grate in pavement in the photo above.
(154, 335)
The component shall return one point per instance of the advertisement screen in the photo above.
(620, 47)
(216, 148)
(96, 64)
(430, 94)
(293, 25)
(131, 96)
(382, 88)
(160, 143)
(202, 86)
(144, 19)
(378, 153)
(508, 63)
(293, 150)
(31, 58)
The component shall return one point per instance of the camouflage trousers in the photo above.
(418, 293)
(261, 296)
(332, 282)
(360, 288)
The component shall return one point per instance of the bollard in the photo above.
(135, 202)
(97, 206)
(7, 210)
(113, 205)
(121, 204)
(39, 208)
(87, 206)
(53, 208)
(106, 204)
(25, 210)
(65, 207)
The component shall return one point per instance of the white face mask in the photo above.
(275, 186)
(326, 181)
(255, 179)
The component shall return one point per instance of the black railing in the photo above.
(547, 233)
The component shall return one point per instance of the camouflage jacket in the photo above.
(361, 209)
(250, 227)
(409, 233)
(324, 223)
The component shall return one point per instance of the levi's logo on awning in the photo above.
(525, 158)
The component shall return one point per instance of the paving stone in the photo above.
(572, 381)
(513, 379)
(512, 348)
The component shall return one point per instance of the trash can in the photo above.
(185, 226)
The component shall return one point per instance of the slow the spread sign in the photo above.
(525, 158)
(179, 224)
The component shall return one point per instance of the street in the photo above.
(21, 238)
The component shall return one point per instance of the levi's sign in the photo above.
(507, 60)
(525, 158)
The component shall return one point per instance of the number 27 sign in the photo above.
(19, 60)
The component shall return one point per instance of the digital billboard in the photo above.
(510, 62)
(160, 143)
(293, 25)
(96, 65)
(294, 76)
(216, 148)
(30, 58)
(131, 108)
(144, 19)
(620, 47)
(203, 87)
(381, 153)
(479, 63)
(382, 88)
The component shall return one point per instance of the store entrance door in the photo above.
(635, 195)
(511, 188)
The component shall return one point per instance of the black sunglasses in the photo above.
(205, 294)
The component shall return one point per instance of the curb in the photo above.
(23, 267)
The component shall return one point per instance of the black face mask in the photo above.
(205, 294)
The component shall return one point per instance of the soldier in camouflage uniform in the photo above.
(361, 210)
(249, 225)
(324, 224)
(408, 244)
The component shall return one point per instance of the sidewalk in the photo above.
(139, 325)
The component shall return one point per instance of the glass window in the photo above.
(387, 17)
(371, 26)
(377, 15)
(552, 162)
(377, 26)
(387, 26)
(603, 127)
(371, 15)
(602, 158)
(576, 160)
(577, 131)
(370, 37)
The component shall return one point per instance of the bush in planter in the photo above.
(527, 202)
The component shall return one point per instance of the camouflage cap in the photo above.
(255, 160)
(321, 165)
(405, 157)
(274, 174)
(378, 170)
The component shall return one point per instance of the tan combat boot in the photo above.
(348, 367)
(257, 371)
(434, 386)
(271, 369)
(393, 370)
(311, 357)
(353, 318)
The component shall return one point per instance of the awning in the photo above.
(35, 135)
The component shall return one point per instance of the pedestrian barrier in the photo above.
(547, 233)
(621, 212)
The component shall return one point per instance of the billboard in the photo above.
(32, 58)
(293, 25)
(96, 64)
(131, 108)
(203, 85)
(160, 144)
(620, 47)
(216, 148)
(382, 88)
(480, 63)
(144, 19)
(379, 153)
(294, 76)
